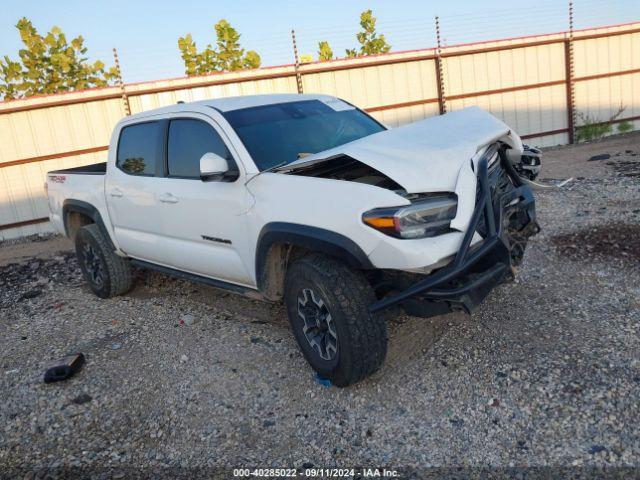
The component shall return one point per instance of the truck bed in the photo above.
(93, 169)
(80, 184)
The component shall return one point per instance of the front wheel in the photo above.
(328, 308)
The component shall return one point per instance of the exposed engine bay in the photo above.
(343, 167)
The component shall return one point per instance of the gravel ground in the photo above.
(546, 373)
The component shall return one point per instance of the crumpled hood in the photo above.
(425, 156)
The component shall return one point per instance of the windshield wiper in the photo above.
(270, 169)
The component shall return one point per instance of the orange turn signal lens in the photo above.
(379, 222)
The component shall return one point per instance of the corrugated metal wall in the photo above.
(522, 81)
(528, 85)
(615, 63)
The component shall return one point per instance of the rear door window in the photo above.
(189, 140)
(140, 148)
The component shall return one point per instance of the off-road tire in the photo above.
(116, 276)
(361, 335)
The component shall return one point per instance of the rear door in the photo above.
(132, 190)
(204, 222)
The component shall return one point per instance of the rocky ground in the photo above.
(545, 374)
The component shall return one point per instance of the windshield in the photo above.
(284, 132)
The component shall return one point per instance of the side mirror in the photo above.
(212, 167)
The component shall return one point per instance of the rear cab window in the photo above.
(140, 148)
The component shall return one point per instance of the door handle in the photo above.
(116, 192)
(168, 198)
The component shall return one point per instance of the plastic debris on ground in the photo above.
(325, 382)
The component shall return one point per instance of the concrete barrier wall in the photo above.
(523, 81)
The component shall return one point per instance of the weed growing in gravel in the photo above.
(594, 129)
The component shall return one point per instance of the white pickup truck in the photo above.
(308, 200)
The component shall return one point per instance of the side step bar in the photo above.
(192, 277)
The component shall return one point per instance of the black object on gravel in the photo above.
(64, 368)
(82, 398)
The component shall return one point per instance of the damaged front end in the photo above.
(527, 164)
(504, 216)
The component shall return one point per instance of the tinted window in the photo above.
(139, 148)
(189, 140)
(284, 132)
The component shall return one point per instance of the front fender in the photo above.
(312, 238)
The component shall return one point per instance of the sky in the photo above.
(145, 32)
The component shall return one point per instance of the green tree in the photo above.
(370, 42)
(192, 59)
(227, 55)
(251, 60)
(306, 58)
(49, 64)
(324, 52)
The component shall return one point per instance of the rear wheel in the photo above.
(106, 273)
(328, 308)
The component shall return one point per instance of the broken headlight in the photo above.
(426, 217)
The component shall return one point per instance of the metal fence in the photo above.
(537, 85)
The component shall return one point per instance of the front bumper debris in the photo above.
(505, 219)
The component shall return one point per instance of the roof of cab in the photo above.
(248, 101)
(233, 103)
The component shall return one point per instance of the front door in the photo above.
(204, 223)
